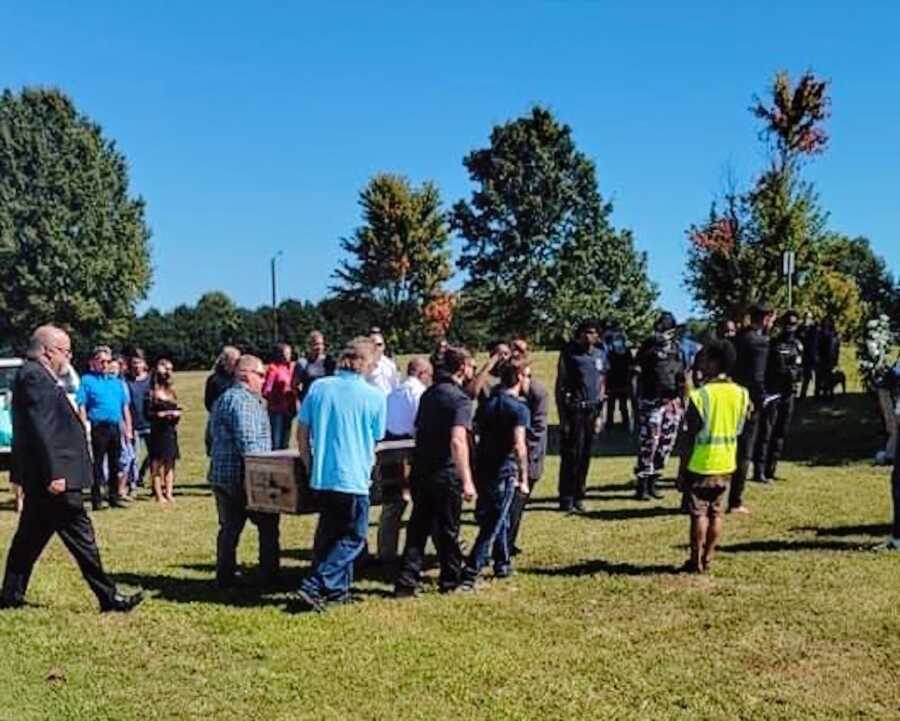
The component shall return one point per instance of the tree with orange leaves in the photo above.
(397, 261)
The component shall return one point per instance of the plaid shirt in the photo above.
(239, 425)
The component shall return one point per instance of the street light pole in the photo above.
(275, 300)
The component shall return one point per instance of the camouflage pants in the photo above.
(658, 422)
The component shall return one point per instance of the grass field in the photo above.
(799, 620)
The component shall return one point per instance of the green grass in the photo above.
(798, 621)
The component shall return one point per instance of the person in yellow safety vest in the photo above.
(715, 418)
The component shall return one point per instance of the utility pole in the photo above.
(275, 300)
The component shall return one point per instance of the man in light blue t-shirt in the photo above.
(341, 419)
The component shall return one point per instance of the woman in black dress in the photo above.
(163, 412)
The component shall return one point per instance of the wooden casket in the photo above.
(277, 482)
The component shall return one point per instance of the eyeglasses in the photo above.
(65, 351)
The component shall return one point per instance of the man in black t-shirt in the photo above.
(784, 371)
(752, 346)
(661, 370)
(312, 366)
(537, 399)
(501, 467)
(827, 357)
(441, 477)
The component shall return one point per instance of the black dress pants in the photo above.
(779, 416)
(437, 505)
(41, 518)
(231, 507)
(746, 448)
(575, 441)
(106, 442)
(895, 494)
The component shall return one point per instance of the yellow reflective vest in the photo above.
(723, 408)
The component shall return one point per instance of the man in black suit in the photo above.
(51, 462)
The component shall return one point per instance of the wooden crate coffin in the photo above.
(277, 482)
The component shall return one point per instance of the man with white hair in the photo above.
(402, 408)
(239, 425)
(52, 464)
(383, 374)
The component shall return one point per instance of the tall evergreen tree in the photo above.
(735, 256)
(540, 251)
(398, 260)
(74, 246)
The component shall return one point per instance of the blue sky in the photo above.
(251, 127)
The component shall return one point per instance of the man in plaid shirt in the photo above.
(240, 425)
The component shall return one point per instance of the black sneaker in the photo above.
(121, 603)
(405, 592)
(117, 503)
(312, 603)
(578, 509)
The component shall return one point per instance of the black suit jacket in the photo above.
(49, 440)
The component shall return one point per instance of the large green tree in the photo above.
(74, 245)
(398, 260)
(854, 258)
(540, 251)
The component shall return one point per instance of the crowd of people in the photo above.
(480, 435)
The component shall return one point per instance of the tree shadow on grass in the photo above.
(868, 529)
(851, 419)
(8, 506)
(204, 590)
(599, 566)
(614, 514)
(778, 546)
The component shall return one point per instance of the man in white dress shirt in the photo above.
(402, 407)
(384, 373)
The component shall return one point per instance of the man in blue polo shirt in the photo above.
(103, 402)
(340, 421)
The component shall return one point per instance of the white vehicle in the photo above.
(8, 369)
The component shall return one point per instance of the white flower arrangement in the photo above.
(875, 367)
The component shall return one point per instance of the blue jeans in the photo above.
(340, 538)
(137, 468)
(492, 514)
(281, 430)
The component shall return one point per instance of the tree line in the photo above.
(539, 249)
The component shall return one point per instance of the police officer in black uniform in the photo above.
(752, 345)
(580, 381)
(784, 371)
